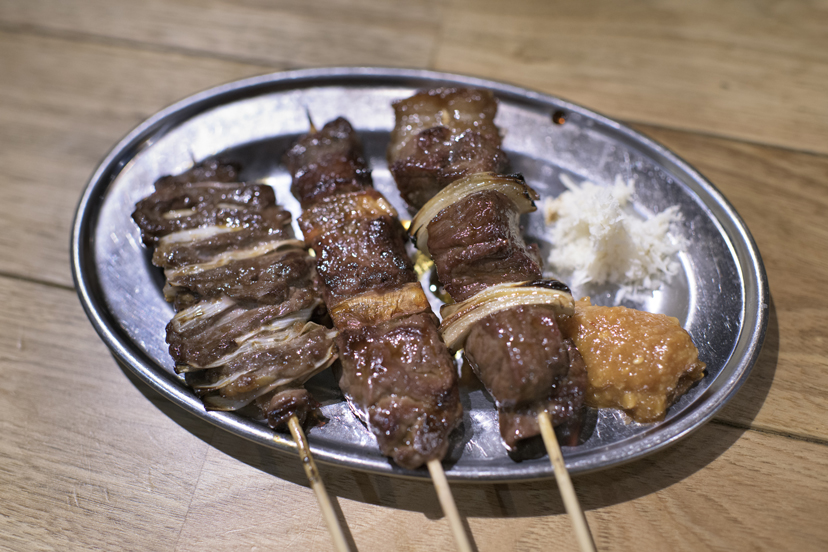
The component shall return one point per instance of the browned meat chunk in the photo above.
(186, 206)
(271, 278)
(243, 288)
(527, 365)
(440, 136)
(402, 376)
(363, 255)
(397, 374)
(327, 162)
(476, 242)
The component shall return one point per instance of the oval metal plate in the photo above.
(720, 296)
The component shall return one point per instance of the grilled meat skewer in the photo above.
(244, 290)
(397, 374)
(470, 227)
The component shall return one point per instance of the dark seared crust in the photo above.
(564, 406)
(255, 292)
(396, 371)
(269, 279)
(476, 243)
(213, 203)
(525, 362)
(440, 136)
(327, 162)
(329, 212)
(362, 255)
(277, 408)
(404, 378)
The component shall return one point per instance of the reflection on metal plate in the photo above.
(720, 296)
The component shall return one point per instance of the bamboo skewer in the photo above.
(318, 487)
(570, 499)
(438, 476)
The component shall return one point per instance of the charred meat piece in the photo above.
(527, 364)
(327, 163)
(469, 225)
(244, 290)
(397, 374)
(476, 243)
(518, 353)
(399, 370)
(442, 135)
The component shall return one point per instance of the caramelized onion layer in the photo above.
(459, 318)
(512, 186)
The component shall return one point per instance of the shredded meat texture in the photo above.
(244, 289)
(397, 374)
(476, 243)
(440, 136)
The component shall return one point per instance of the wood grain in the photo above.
(63, 105)
(285, 34)
(781, 197)
(93, 459)
(87, 460)
(748, 70)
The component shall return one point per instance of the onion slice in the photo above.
(459, 318)
(512, 186)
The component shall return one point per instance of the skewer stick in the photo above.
(438, 476)
(318, 487)
(570, 499)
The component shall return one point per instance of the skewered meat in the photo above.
(396, 371)
(469, 224)
(244, 290)
(440, 136)
(506, 315)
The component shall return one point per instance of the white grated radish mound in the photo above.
(598, 239)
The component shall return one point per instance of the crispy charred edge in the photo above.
(342, 202)
(252, 206)
(441, 135)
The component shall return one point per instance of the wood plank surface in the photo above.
(757, 71)
(292, 33)
(92, 458)
(86, 459)
(63, 105)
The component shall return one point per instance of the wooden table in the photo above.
(90, 458)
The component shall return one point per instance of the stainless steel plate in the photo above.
(720, 296)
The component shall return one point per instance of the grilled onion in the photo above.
(512, 186)
(460, 317)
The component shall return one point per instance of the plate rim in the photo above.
(756, 291)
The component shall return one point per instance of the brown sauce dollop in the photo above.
(636, 361)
